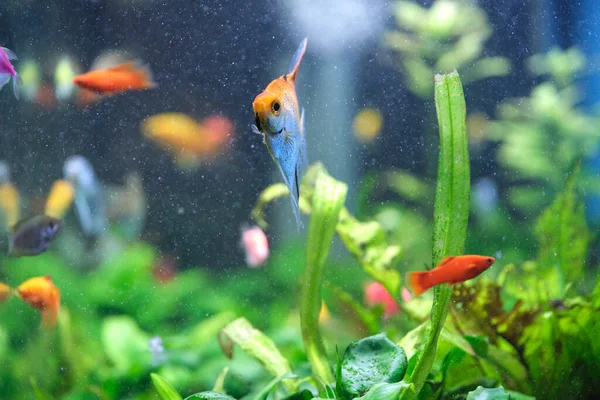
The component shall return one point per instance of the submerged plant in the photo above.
(448, 35)
(543, 135)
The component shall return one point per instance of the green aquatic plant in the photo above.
(445, 36)
(542, 136)
(451, 207)
(328, 199)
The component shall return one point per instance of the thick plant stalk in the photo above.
(451, 211)
(328, 200)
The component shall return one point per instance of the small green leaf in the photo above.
(369, 361)
(482, 393)
(257, 345)
(210, 396)
(387, 391)
(164, 389)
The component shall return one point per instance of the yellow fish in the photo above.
(10, 204)
(60, 199)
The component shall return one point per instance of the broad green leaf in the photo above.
(451, 211)
(257, 345)
(210, 396)
(164, 389)
(563, 235)
(327, 202)
(482, 393)
(369, 361)
(387, 391)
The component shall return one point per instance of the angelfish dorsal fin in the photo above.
(446, 260)
(296, 60)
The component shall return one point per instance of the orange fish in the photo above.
(40, 293)
(5, 292)
(122, 78)
(450, 270)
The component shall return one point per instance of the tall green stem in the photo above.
(328, 200)
(451, 212)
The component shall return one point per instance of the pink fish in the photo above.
(256, 245)
(7, 70)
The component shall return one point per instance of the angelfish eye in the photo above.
(276, 107)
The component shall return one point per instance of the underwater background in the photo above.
(432, 128)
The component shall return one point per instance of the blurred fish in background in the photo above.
(90, 201)
(367, 125)
(60, 199)
(7, 71)
(107, 59)
(32, 236)
(10, 204)
(31, 77)
(127, 206)
(40, 293)
(191, 143)
(255, 244)
(66, 70)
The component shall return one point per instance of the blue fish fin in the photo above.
(10, 54)
(303, 159)
(294, 193)
(297, 59)
(4, 78)
(16, 80)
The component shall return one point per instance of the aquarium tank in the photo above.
(299, 199)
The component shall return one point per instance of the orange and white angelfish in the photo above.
(450, 270)
(40, 293)
(279, 121)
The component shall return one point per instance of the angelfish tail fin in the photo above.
(295, 197)
(418, 282)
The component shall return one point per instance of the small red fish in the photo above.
(40, 293)
(376, 293)
(450, 270)
(122, 78)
